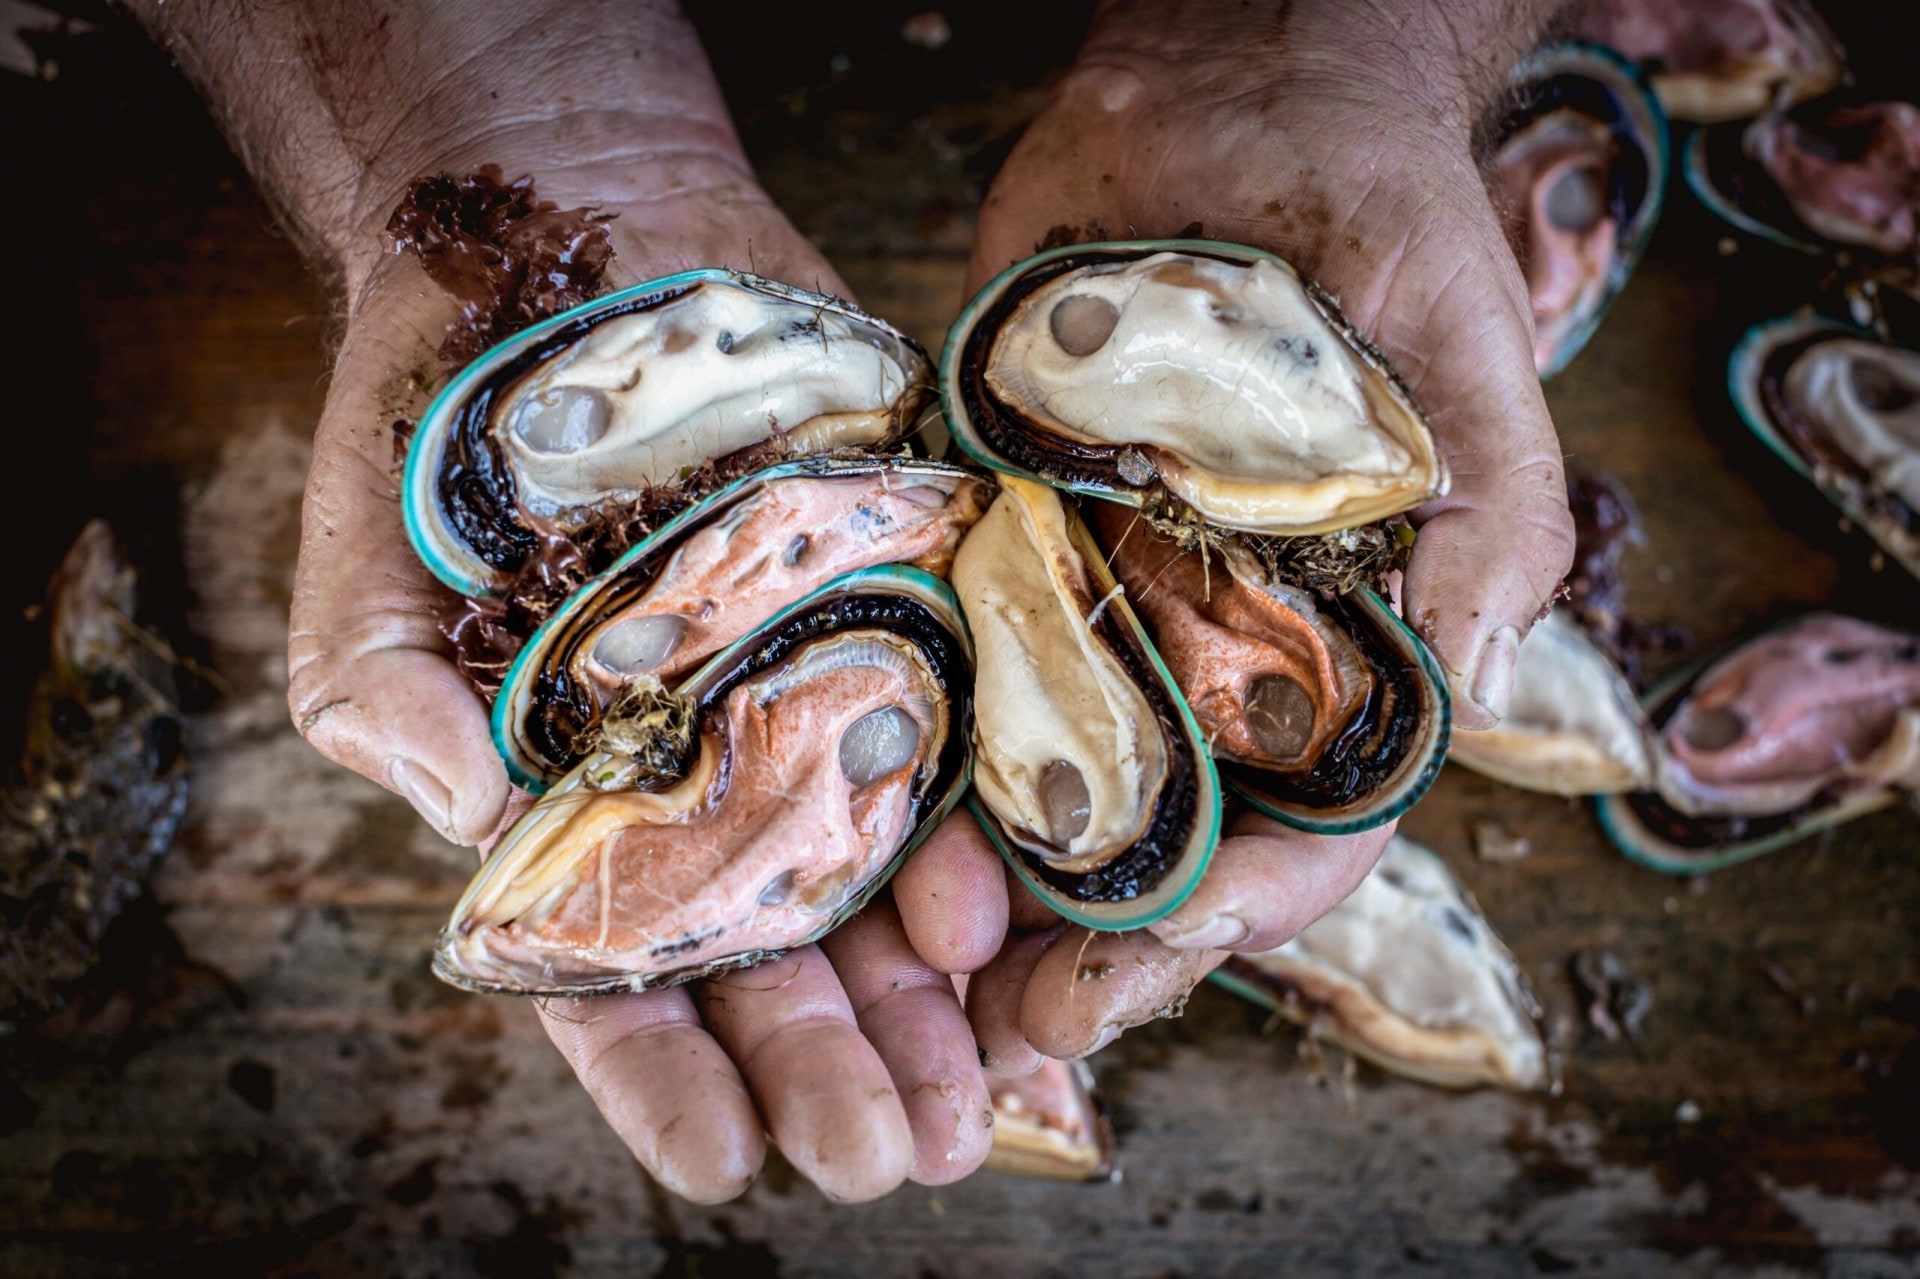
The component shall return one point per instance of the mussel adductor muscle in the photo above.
(1768, 393)
(1691, 834)
(1584, 149)
(1092, 778)
(546, 913)
(713, 573)
(1330, 440)
(574, 419)
(1386, 756)
(1718, 60)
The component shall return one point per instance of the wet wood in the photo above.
(290, 1092)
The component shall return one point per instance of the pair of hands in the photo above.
(1336, 135)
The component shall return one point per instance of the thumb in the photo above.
(370, 682)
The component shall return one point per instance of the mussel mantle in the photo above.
(1091, 776)
(551, 430)
(1209, 372)
(717, 571)
(1798, 730)
(824, 747)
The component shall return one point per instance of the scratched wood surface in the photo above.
(282, 1088)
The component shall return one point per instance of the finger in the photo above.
(824, 1091)
(952, 895)
(1090, 987)
(665, 1088)
(909, 1013)
(1266, 882)
(369, 680)
(994, 996)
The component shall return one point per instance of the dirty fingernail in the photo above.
(1219, 932)
(1491, 685)
(427, 793)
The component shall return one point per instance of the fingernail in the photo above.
(1219, 932)
(1491, 683)
(427, 793)
(1107, 1035)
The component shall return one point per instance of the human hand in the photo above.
(1340, 136)
(853, 1055)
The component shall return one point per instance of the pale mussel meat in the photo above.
(746, 812)
(570, 425)
(1841, 406)
(1091, 776)
(1407, 973)
(718, 570)
(1206, 373)
(1796, 731)
(1581, 170)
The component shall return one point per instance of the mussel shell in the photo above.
(978, 423)
(905, 601)
(534, 753)
(456, 476)
(1385, 761)
(1597, 82)
(1155, 875)
(1053, 1124)
(1717, 169)
(1754, 372)
(1651, 831)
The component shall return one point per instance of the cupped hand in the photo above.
(853, 1056)
(1339, 135)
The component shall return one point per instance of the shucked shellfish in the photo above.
(1407, 973)
(806, 760)
(1842, 408)
(1091, 775)
(1801, 729)
(1210, 373)
(717, 571)
(552, 430)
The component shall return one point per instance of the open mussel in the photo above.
(1210, 374)
(1573, 726)
(1408, 974)
(1805, 727)
(1715, 60)
(1321, 707)
(716, 571)
(1051, 1123)
(1842, 407)
(1581, 166)
(1091, 775)
(1836, 176)
(569, 426)
(749, 811)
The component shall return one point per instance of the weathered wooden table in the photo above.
(285, 1089)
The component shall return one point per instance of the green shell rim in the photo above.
(1641, 845)
(1419, 778)
(536, 781)
(913, 580)
(1743, 378)
(1618, 73)
(474, 578)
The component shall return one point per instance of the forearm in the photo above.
(336, 107)
(1445, 58)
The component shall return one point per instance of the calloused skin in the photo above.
(855, 1057)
